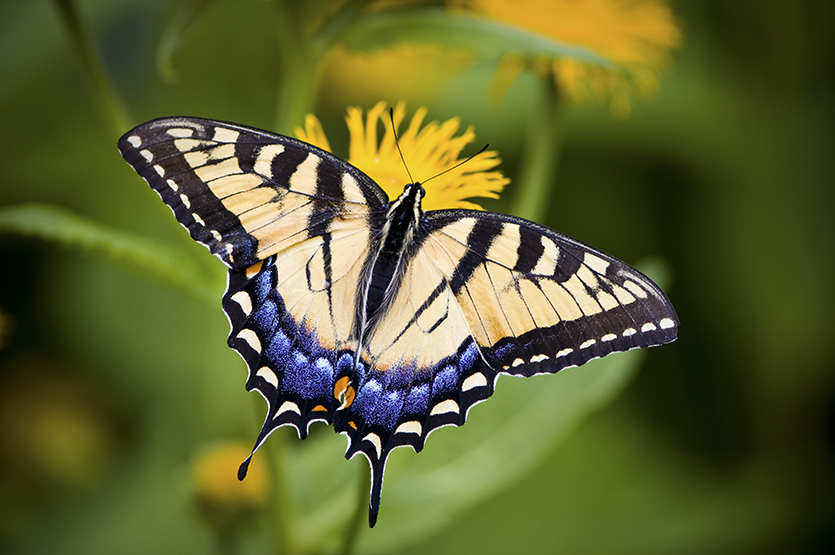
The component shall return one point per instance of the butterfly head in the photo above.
(413, 193)
(406, 209)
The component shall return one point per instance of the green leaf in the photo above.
(486, 37)
(157, 261)
(503, 440)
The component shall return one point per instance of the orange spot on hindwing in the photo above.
(254, 269)
(344, 392)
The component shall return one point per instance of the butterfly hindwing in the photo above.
(293, 332)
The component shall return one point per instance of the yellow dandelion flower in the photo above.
(637, 35)
(429, 151)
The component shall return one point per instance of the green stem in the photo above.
(93, 72)
(299, 64)
(541, 155)
(300, 58)
(283, 504)
(227, 545)
(361, 509)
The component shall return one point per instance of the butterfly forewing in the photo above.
(244, 193)
(537, 301)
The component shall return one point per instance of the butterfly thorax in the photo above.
(384, 268)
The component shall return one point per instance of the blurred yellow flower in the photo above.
(410, 71)
(428, 152)
(637, 35)
(227, 504)
(56, 432)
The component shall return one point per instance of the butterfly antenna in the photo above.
(397, 144)
(461, 163)
(411, 179)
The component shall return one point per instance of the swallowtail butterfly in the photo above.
(370, 314)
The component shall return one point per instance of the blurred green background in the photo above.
(115, 378)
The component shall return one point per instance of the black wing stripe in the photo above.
(529, 251)
(246, 153)
(329, 194)
(478, 243)
(436, 292)
(284, 165)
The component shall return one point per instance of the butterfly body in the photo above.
(391, 250)
(371, 315)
